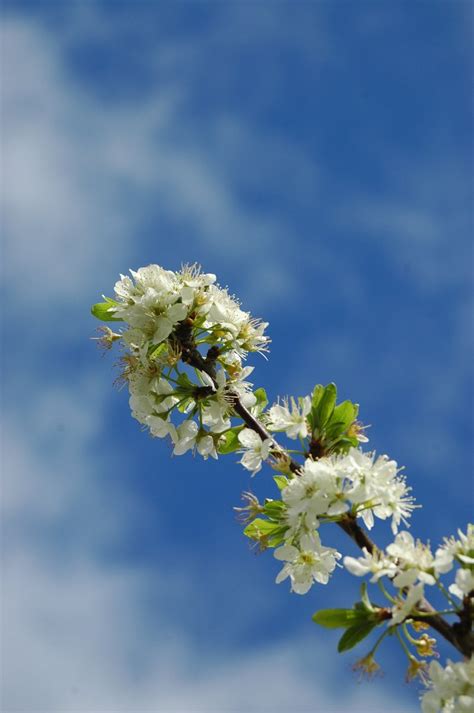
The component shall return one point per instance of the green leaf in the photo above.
(347, 442)
(262, 400)
(333, 432)
(344, 414)
(354, 634)
(274, 509)
(281, 481)
(277, 538)
(317, 395)
(101, 311)
(184, 405)
(326, 405)
(315, 399)
(272, 532)
(260, 527)
(229, 441)
(336, 618)
(156, 351)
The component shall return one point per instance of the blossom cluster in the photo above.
(294, 418)
(407, 561)
(185, 340)
(450, 689)
(410, 565)
(327, 488)
(358, 482)
(154, 300)
(171, 318)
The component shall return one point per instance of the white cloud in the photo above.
(81, 634)
(421, 222)
(77, 639)
(82, 175)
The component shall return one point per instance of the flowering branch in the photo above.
(184, 344)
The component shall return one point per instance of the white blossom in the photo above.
(317, 490)
(461, 549)
(206, 447)
(306, 563)
(329, 485)
(290, 417)
(154, 300)
(450, 689)
(166, 397)
(414, 560)
(377, 564)
(443, 560)
(377, 481)
(165, 312)
(257, 450)
(404, 607)
(464, 583)
(185, 437)
(236, 327)
(217, 409)
(141, 406)
(160, 427)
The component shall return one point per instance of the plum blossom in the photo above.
(414, 560)
(256, 450)
(461, 549)
(463, 585)
(184, 437)
(376, 563)
(404, 607)
(377, 481)
(290, 417)
(306, 562)
(450, 689)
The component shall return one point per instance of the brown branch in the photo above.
(462, 640)
(459, 634)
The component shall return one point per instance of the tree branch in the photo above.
(459, 635)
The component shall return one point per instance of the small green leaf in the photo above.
(272, 532)
(260, 526)
(346, 442)
(156, 351)
(281, 481)
(184, 405)
(317, 395)
(262, 400)
(274, 509)
(277, 538)
(101, 311)
(354, 634)
(229, 441)
(344, 413)
(326, 405)
(336, 618)
(334, 431)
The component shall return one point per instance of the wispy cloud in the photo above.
(82, 632)
(88, 180)
(78, 639)
(421, 220)
(82, 175)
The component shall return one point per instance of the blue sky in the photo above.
(317, 157)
